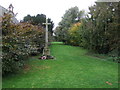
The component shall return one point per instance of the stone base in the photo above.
(46, 54)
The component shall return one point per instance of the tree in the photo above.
(71, 16)
(27, 18)
(75, 35)
(102, 27)
(39, 19)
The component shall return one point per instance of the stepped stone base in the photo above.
(46, 54)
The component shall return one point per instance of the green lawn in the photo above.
(71, 68)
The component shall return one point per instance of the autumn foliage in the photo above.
(18, 42)
(74, 34)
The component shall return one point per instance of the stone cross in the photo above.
(46, 50)
(46, 33)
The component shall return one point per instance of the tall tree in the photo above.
(27, 18)
(103, 27)
(39, 19)
(70, 17)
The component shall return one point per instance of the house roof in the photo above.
(4, 10)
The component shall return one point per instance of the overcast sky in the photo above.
(54, 9)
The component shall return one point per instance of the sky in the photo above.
(53, 9)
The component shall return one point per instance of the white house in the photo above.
(4, 10)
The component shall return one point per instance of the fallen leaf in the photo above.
(108, 83)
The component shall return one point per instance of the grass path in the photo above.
(72, 68)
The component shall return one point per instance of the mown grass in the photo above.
(71, 68)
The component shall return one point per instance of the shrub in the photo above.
(18, 42)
